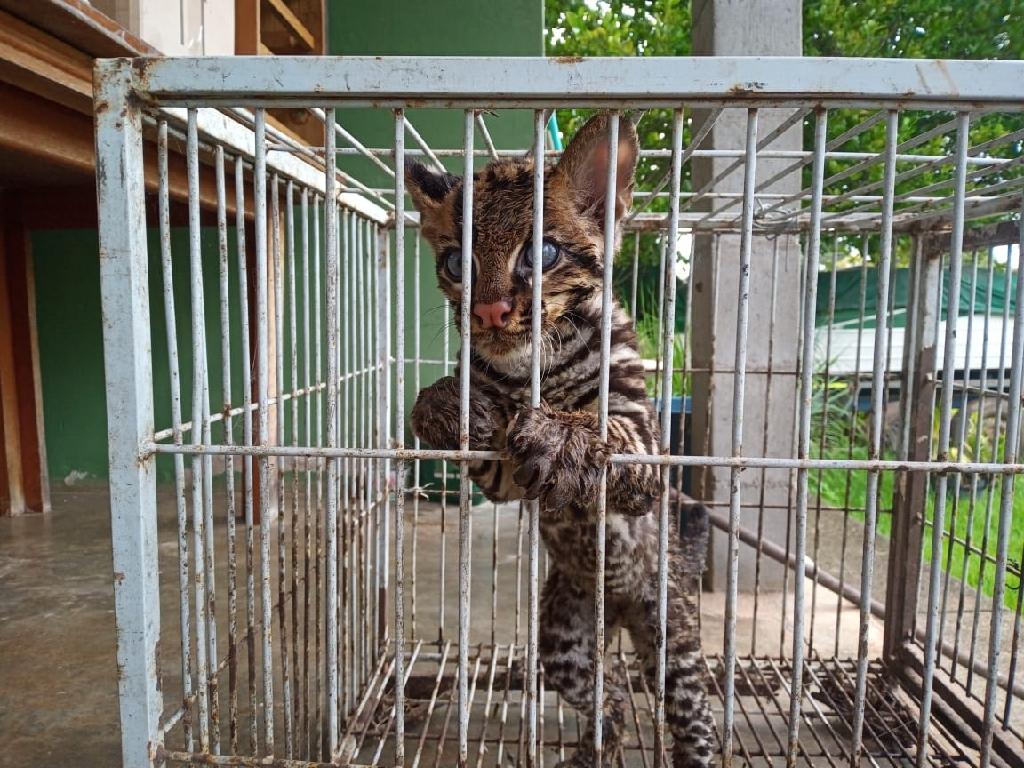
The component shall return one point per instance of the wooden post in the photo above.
(729, 28)
(25, 478)
(912, 488)
(247, 27)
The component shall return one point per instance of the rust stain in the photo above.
(157, 655)
(568, 59)
(949, 78)
(740, 89)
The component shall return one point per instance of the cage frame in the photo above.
(126, 87)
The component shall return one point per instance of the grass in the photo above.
(834, 424)
(648, 332)
(968, 508)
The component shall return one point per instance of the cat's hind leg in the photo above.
(566, 645)
(687, 712)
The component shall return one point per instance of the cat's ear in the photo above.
(427, 188)
(584, 164)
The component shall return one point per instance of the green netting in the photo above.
(848, 292)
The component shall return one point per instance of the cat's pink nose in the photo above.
(493, 315)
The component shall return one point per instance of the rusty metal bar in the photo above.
(597, 722)
(739, 385)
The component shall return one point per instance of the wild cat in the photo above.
(555, 451)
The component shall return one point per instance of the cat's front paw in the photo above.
(556, 456)
(435, 417)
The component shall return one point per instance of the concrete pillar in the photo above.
(742, 28)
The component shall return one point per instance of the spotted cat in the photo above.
(555, 452)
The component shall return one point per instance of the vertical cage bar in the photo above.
(346, 520)
(533, 507)
(210, 548)
(383, 553)
(358, 436)
(739, 385)
(826, 376)
(352, 500)
(465, 497)
(312, 748)
(198, 461)
(668, 348)
(1010, 452)
(416, 385)
(989, 496)
(794, 437)
(126, 345)
(960, 442)
(610, 200)
(399, 439)
(318, 366)
(229, 462)
(759, 554)
(878, 389)
(247, 462)
(365, 287)
(350, 519)
(971, 507)
(293, 363)
(949, 365)
(909, 344)
(349, 233)
(903, 575)
(635, 275)
(170, 321)
(279, 474)
(804, 444)
(658, 362)
(331, 520)
(262, 383)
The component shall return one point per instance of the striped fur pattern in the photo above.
(555, 452)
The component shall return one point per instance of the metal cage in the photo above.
(314, 587)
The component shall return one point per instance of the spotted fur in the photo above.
(555, 452)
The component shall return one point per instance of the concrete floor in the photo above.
(58, 694)
(58, 690)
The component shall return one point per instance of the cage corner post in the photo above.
(126, 343)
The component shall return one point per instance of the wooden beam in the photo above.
(12, 242)
(44, 130)
(79, 24)
(68, 207)
(43, 65)
(21, 287)
(41, 130)
(293, 23)
(985, 236)
(247, 27)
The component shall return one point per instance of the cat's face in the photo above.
(573, 253)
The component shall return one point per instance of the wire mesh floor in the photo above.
(497, 714)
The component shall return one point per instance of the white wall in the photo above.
(843, 348)
(178, 27)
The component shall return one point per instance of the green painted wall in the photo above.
(437, 28)
(67, 266)
(71, 342)
(71, 351)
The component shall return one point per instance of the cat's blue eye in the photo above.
(453, 264)
(549, 254)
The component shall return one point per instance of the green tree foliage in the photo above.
(971, 29)
(634, 28)
(914, 29)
